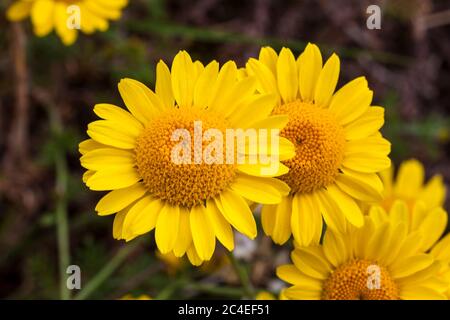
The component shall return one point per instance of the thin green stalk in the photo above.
(62, 224)
(243, 276)
(107, 271)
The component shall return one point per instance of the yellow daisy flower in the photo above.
(339, 149)
(378, 261)
(66, 17)
(409, 186)
(188, 204)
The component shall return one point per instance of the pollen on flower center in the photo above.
(357, 280)
(182, 184)
(319, 142)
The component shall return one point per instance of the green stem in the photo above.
(62, 224)
(107, 271)
(243, 276)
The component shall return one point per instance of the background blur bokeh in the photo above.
(47, 92)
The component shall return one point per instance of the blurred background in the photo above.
(47, 92)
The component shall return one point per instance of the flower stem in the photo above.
(62, 224)
(107, 270)
(243, 276)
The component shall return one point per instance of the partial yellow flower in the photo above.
(379, 261)
(339, 149)
(426, 225)
(188, 204)
(66, 17)
(410, 186)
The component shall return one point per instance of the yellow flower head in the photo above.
(192, 202)
(379, 261)
(66, 17)
(409, 186)
(339, 149)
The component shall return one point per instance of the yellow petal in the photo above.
(335, 248)
(347, 206)
(405, 267)
(89, 145)
(184, 239)
(103, 158)
(164, 84)
(410, 178)
(137, 99)
(310, 68)
(433, 227)
(118, 223)
(421, 293)
(331, 213)
(145, 220)
(41, 16)
(261, 190)
(205, 82)
(306, 220)
(167, 228)
(362, 186)
(287, 75)
(109, 133)
(244, 116)
(221, 227)
(113, 178)
(260, 170)
(366, 125)
(351, 101)
(281, 229)
(268, 217)
(117, 200)
(266, 79)
(67, 35)
(19, 10)
(326, 83)
(193, 256)
(441, 250)
(303, 292)
(311, 261)
(119, 116)
(223, 87)
(202, 232)
(182, 82)
(134, 218)
(237, 212)
(269, 57)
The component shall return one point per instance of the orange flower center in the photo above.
(360, 280)
(319, 140)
